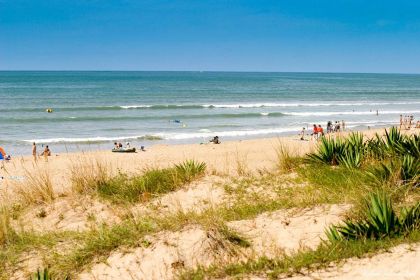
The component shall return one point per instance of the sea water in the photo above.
(93, 109)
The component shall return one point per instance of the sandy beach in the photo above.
(226, 158)
(229, 165)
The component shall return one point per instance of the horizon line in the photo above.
(212, 71)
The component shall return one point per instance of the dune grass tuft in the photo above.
(88, 173)
(7, 233)
(123, 188)
(36, 186)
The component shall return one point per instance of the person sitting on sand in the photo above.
(120, 145)
(116, 147)
(127, 145)
(215, 140)
(46, 153)
(3, 155)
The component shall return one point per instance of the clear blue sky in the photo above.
(260, 35)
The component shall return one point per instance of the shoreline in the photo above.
(228, 158)
(100, 146)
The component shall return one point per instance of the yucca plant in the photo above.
(190, 169)
(380, 216)
(382, 174)
(329, 151)
(393, 141)
(350, 159)
(380, 221)
(410, 145)
(44, 275)
(375, 148)
(41, 275)
(410, 217)
(410, 169)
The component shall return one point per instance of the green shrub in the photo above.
(329, 151)
(45, 275)
(380, 220)
(190, 169)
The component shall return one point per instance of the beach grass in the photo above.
(298, 182)
(302, 261)
(36, 187)
(123, 188)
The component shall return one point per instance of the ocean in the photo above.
(92, 109)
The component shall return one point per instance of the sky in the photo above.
(219, 35)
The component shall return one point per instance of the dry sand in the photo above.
(400, 263)
(165, 253)
(228, 158)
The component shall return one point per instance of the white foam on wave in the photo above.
(235, 133)
(83, 140)
(135, 106)
(349, 113)
(304, 104)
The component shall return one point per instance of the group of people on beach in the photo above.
(45, 153)
(318, 131)
(407, 122)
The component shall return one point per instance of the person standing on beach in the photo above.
(401, 121)
(34, 151)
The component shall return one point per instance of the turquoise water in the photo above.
(91, 109)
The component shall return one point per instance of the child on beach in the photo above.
(302, 134)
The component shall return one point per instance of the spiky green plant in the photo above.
(382, 174)
(41, 275)
(44, 275)
(329, 151)
(380, 221)
(410, 169)
(189, 169)
(410, 217)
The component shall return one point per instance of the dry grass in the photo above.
(36, 186)
(88, 173)
(287, 160)
(6, 230)
(242, 168)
